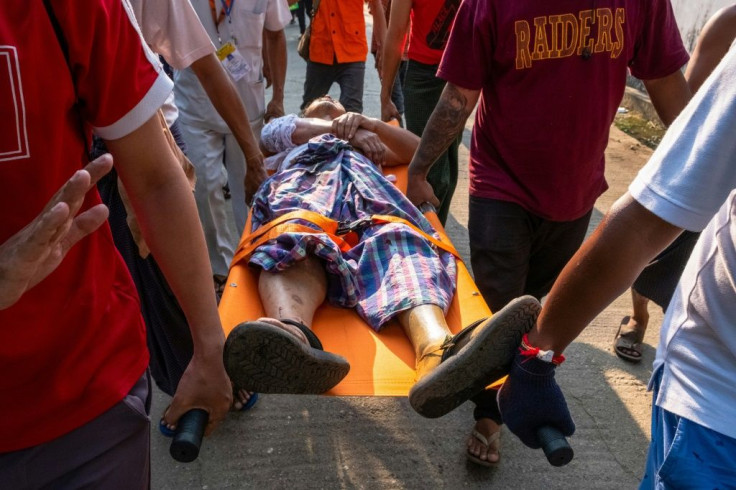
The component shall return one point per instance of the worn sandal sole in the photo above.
(485, 358)
(264, 358)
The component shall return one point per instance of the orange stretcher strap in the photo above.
(446, 246)
(344, 236)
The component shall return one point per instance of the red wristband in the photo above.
(527, 350)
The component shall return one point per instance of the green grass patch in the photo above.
(647, 132)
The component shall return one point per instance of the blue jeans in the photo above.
(349, 76)
(686, 455)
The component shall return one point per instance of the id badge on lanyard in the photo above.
(228, 53)
(233, 61)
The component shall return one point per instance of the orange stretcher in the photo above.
(381, 364)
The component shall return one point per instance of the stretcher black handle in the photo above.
(555, 446)
(188, 436)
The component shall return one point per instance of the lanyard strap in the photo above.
(225, 12)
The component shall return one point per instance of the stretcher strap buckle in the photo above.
(356, 226)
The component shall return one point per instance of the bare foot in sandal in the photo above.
(627, 342)
(483, 443)
(243, 400)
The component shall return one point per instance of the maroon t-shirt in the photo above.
(552, 76)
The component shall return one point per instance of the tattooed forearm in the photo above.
(445, 123)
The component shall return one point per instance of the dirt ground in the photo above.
(374, 442)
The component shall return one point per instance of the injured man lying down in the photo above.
(329, 226)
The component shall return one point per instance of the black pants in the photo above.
(659, 278)
(514, 252)
(303, 10)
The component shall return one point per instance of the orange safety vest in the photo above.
(338, 32)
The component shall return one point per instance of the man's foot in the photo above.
(483, 443)
(272, 356)
(243, 400)
(627, 342)
(468, 362)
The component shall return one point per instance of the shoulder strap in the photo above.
(57, 29)
(65, 50)
(315, 7)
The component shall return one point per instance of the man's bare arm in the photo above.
(713, 43)
(275, 43)
(226, 100)
(276, 52)
(309, 127)
(603, 268)
(401, 142)
(379, 29)
(164, 205)
(669, 95)
(445, 123)
(398, 25)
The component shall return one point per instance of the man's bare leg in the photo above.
(294, 293)
(640, 317)
(279, 353)
(427, 329)
(627, 343)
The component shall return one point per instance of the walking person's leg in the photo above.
(301, 17)
(351, 79)
(206, 150)
(318, 81)
(554, 243)
(500, 236)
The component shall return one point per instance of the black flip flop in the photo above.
(477, 356)
(622, 342)
(264, 358)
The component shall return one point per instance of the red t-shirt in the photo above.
(431, 23)
(546, 107)
(75, 344)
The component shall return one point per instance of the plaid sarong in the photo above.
(391, 269)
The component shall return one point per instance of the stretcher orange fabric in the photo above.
(381, 364)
